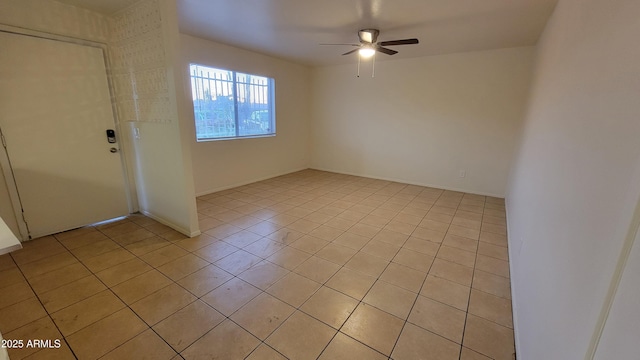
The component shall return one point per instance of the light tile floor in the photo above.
(303, 266)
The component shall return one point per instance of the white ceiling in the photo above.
(293, 29)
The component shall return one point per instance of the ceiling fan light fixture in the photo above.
(366, 52)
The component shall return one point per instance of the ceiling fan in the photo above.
(369, 44)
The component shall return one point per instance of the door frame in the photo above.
(5, 162)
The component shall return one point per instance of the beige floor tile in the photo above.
(293, 289)
(222, 231)
(469, 215)
(365, 230)
(317, 269)
(265, 352)
(196, 243)
(374, 328)
(237, 262)
(188, 324)
(147, 245)
(47, 265)
(230, 296)
(62, 353)
(434, 225)
(108, 259)
(457, 256)
(204, 280)
(86, 312)
(242, 238)
(132, 237)
(105, 335)
(262, 315)
(381, 249)
(336, 253)
(326, 232)
(20, 314)
(438, 318)
(492, 265)
(494, 251)
(288, 258)
(460, 242)
(146, 345)
(413, 259)
(392, 299)
(404, 277)
(415, 342)
(162, 303)
(439, 217)
(351, 240)
(452, 271)
(329, 306)
(10, 276)
(120, 229)
(319, 217)
(163, 255)
(264, 247)
(488, 219)
(309, 244)
(15, 293)
(422, 246)
(495, 239)
(495, 228)
(340, 223)
(391, 237)
(41, 329)
(450, 209)
(95, 249)
(367, 264)
(446, 292)
(181, 267)
(263, 274)
(467, 354)
(38, 249)
(352, 283)
(71, 293)
(123, 272)
(141, 286)
(285, 236)
(492, 284)
(225, 341)
(465, 222)
(343, 347)
(488, 338)
(301, 337)
(491, 308)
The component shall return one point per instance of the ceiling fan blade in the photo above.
(386, 51)
(399, 42)
(350, 52)
(342, 44)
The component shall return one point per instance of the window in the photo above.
(229, 104)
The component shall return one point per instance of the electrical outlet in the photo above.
(463, 173)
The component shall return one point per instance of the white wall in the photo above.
(620, 336)
(422, 120)
(144, 56)
(576, 179)
(223, 164)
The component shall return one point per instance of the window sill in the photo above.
(236, 138)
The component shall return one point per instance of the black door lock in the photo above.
(111, 136)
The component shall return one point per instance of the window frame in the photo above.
(271, 95)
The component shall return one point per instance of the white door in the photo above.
(55, 108)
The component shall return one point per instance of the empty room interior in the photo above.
(340, 179)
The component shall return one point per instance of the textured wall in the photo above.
(138, 60)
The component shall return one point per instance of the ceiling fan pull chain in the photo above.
(373, 66)
(358, 67)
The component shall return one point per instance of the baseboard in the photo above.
(514, 305)
(403, 181)
(177, 228)
(211, 191)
